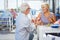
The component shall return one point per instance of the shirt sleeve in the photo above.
(29, 26)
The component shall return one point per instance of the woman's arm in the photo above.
(38, 20)
(39, 15)
(52, 19)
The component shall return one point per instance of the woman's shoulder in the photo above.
(52, 14)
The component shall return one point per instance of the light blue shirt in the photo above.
(23, 27)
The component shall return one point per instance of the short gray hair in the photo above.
(24, 7)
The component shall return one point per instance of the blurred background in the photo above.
(6, 5)
(7, 25)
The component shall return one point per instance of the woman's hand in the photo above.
(50, 19)
(33, 21)
(39, 22)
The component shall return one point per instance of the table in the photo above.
(41, 30)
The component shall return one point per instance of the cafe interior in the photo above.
(11, 8)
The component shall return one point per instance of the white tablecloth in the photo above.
(41, 30)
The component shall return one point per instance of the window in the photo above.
(34, 4)
(12, 4)
(1, 4)
(57, 6)
(19, 2)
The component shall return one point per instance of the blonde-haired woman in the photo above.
(45, 16)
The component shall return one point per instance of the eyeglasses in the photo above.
(28, 8)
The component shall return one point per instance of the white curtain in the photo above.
(1, 4)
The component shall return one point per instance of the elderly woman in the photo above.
(45, 16)
(23, 24)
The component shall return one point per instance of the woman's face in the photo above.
(45, 8)
(27, 11)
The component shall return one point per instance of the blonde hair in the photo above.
(45, 4)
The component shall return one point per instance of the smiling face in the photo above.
(45, 7)
(27, 10)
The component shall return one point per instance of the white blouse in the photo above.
(23, 27)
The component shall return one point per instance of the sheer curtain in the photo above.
(12, 4)
(1, 4)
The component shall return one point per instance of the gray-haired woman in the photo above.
(23, 24)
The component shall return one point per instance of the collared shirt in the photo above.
(23, 27)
